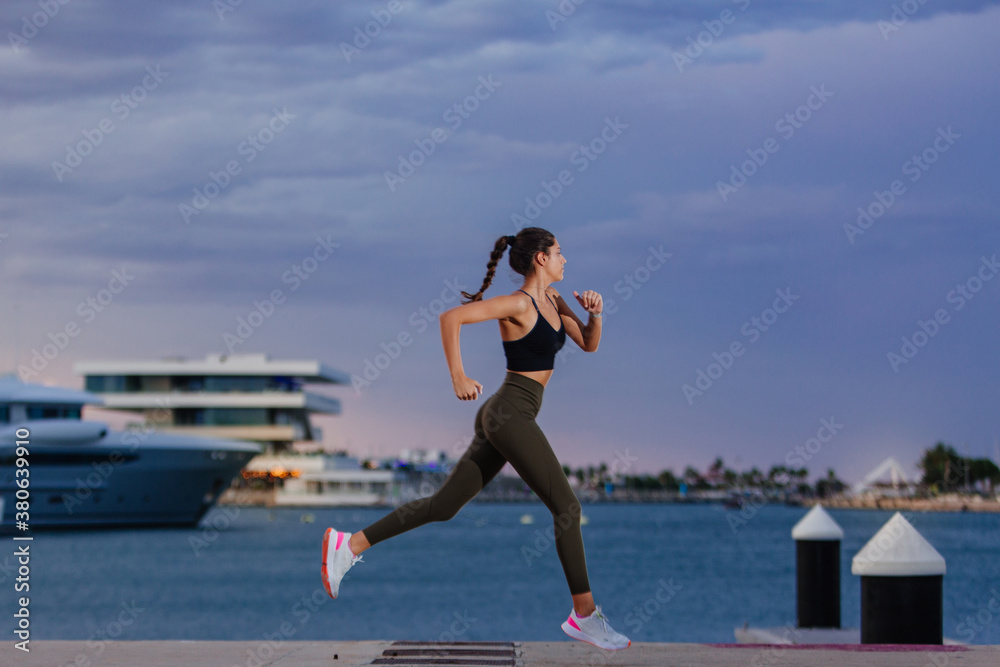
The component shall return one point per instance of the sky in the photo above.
(788, 207)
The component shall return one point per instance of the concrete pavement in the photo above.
(516, 654)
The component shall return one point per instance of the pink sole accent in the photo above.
(573, 623)
(325, 576)
(340, 540)
(626, 646)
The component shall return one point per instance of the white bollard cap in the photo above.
(898, 550)
(817, 525)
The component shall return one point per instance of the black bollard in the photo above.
(817, 565)
(902, 581)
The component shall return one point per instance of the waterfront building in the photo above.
(239, 397)
(249, 397)
(330, 480)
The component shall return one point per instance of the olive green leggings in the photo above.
(505, 432)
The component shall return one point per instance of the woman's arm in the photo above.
(451, 321)
(588, 336)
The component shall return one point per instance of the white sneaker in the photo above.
(337, 560)
(594, 629)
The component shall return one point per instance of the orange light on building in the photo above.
(270, 475)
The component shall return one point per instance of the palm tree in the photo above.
(692, 477)
(778, 475)
(667, 479)
(943, 467)
(830, 486)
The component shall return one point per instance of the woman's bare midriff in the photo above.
(541, 377)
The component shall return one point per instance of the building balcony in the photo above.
(259, 433)
(207, 399)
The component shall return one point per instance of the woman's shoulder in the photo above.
(522, 305)
(522, 300)
(520, 296)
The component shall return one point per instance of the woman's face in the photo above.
(556, 263)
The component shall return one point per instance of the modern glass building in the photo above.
(238, 397)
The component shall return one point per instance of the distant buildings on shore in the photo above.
(254, 398)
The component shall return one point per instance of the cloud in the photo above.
(323, 175)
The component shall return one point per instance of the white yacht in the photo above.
(83, 474)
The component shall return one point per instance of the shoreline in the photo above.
(942, 504)
(948, 504)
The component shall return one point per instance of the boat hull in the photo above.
(121, 479)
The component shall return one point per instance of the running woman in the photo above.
(534, 323)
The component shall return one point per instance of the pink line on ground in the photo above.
(873, 648)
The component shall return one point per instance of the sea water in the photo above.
(661, 572)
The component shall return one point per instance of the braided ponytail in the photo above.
(523, 248)
(491, 268)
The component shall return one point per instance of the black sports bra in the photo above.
(535, 351)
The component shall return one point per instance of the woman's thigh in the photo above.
(520, 441)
